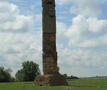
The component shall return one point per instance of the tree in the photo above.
(28, 72)
(72, 77)
(19, 75)
(5, 75)
(65, 75)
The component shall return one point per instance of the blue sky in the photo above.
(104, 13)
(81, 35)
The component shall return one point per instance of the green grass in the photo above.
(80, 84)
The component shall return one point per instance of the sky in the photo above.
(81, 35)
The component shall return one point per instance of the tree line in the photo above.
(28, 72)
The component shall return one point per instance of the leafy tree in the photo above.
(65, 75)
(5, 75)
(19, 75)
(28, 72)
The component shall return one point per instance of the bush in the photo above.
(5, 75)
(72, 77)
(28, 72)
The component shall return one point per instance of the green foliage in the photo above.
(19, 75)
(72, 77)
(5, 75)
(28, 72)
(65, 75)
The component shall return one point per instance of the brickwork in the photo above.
(49, 53)
(51, 72)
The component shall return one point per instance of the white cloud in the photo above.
(61, 30)
(86, 7)
(11, 20)
(82, 62)
(94, 43)
(83, 31)
(17, 47)
(86, 54)
(86, 35)
(62, 2)
(96, 25)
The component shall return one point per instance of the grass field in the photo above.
(80, 84)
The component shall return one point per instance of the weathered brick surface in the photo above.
(51, 75)
(50, 80)
(49, 53)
